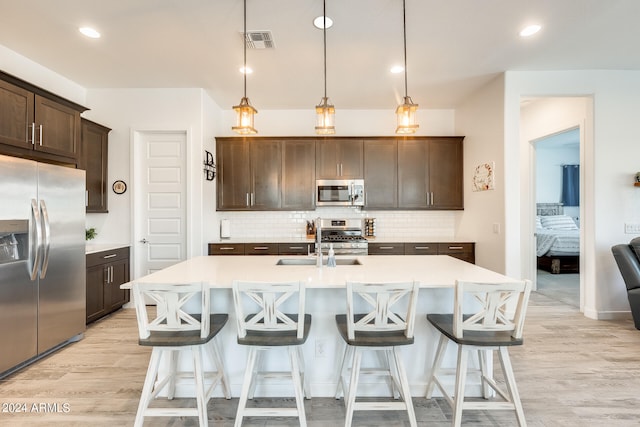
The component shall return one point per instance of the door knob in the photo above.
(145, 241)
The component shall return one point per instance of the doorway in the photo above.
(541, 117)
(557, 172)
(159, 200)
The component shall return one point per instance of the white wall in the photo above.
(550, 159)
(128, 110)
(34, 73)
(348, 122)
(609, 162)
(549, 162)
(480, 119)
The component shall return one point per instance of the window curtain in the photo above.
(571, 185)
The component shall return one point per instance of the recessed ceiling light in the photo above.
(397, 69)
(246, 70)
(89, 32)
(530, 30)
(319, 22)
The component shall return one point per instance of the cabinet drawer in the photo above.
(261, 249)
(386, 248)
(104, 257)
(420, 248)
(463, 251)
(226, 249)
(293, 248)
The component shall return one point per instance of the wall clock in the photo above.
(119, 187)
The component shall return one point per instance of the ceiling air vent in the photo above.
(259, 40)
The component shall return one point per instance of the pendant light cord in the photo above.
(324, 35)
(404, 26)
(244, 41)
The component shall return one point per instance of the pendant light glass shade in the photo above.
(244, 110)
(325, 118)
(406, 112)
(406, 116)
(325, 112)
(244, 117)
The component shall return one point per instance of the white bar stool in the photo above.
(174, 331)
(387, 325)
(266, 329)
(485, 327)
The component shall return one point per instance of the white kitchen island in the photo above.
(325, 298)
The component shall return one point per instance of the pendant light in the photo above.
(325, 112)
(244, 110)
(406, 112)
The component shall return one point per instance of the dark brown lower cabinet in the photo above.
(464, 251)
(106, 271)
(260, 248)
(386, 248)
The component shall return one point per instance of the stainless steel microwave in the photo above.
(340, 192)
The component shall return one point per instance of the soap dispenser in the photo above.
(331, 258)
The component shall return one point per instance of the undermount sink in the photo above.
(312, 261)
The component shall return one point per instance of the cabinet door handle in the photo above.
(247, 201)
(33, 134)
(338, 169)
(109, 256)
(260, 248)
(296, 247)
(253, 199)
(432, 202)
(422, 247)
(111, 275)
(456, 247)
(387, 247)
(41, 135)
(227, 248)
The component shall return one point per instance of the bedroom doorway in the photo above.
(557, 184)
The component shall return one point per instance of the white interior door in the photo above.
(160, 194)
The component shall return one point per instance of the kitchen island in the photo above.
(325, 298)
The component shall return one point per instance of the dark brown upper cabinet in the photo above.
(265, 174)
(36, 124)
(298, 175)
(339, 158)
(381, 173)
(95, 157)
(430, 173)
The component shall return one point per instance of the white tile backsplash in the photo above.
(390, 225)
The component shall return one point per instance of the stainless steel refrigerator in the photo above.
(42, 259)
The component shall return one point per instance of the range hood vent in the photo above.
(259, 40)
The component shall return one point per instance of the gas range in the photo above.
(345, 235)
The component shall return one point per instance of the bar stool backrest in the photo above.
(268, 299)
(502, 307)
(170, 314)
(385, 310)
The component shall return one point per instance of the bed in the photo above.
(557, 240)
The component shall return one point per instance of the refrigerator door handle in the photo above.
(35, 254)
(47, 239)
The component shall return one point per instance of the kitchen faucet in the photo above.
(318, 241)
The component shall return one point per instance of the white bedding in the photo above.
(557, 242)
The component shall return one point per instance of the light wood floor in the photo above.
(571, 371)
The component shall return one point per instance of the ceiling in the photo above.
(453, 47)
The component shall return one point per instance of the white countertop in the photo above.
(432, 271)
(91, 248)
(413, 239)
